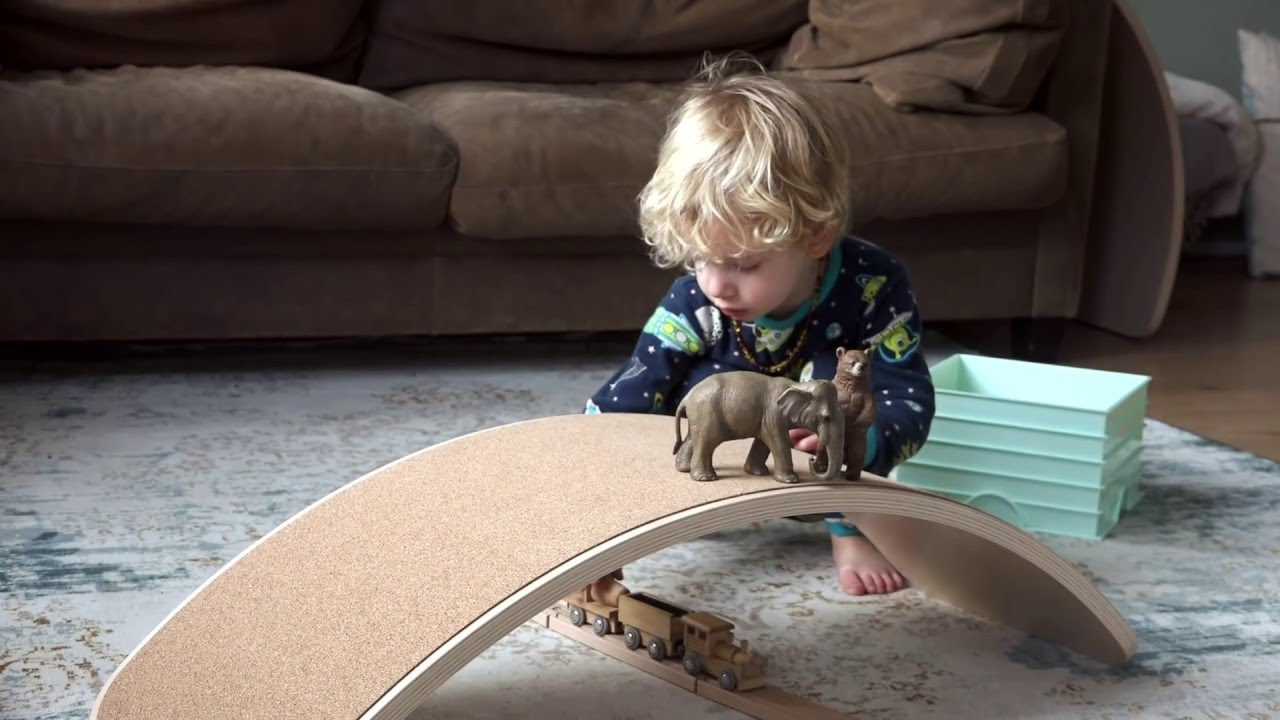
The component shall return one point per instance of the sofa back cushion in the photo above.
(320, 36)
(415, 42)
(960, 55)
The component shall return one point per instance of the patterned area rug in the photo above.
(125, 483)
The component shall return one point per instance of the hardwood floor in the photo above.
(1214, 363)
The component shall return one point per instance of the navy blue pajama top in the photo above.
(865, 296)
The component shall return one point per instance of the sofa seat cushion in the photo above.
(553, 160)
(547, 160)
(229, 147)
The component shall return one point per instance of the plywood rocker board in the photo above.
(364, 603)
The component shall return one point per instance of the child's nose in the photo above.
(719, 284)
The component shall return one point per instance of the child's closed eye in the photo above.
(698, 264)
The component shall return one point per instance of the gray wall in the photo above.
(1197, 38)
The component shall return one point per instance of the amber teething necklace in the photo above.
(804, 332)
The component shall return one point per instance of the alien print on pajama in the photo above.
(865, 298)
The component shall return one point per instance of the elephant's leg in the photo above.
(684, 456)
(702, 468)
(756, 458)
(855, 448)
(779, 443)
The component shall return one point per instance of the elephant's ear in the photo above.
(794, 401)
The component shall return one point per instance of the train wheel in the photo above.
(577, 615)
(657, 649)
(631, 637)
(728, 680)
(601, 626)
(692, 664)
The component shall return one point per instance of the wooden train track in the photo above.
(766, 703)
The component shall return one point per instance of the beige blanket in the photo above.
(975, 56)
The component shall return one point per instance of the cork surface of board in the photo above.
(362, 604)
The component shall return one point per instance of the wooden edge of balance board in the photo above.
(362, 604)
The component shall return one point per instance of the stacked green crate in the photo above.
(1045, 447)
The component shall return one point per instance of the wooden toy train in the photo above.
(704, 641)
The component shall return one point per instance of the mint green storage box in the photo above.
(1039, 396)
(1020, 439)
(1047, 448)
(1024, 462)
(1035, 505)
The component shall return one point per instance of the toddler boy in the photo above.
(751, 196)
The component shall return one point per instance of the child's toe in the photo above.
(850, 582)
(873, 582)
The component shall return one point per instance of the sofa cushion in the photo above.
(217, 147)
(960, 55)
(320, 36)
(420, 41)
(933, 163)
(547, 160)
(555, 160)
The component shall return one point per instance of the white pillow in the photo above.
(1260, 90)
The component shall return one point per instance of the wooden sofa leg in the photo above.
(1037, 339)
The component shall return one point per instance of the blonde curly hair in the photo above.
(749, 154)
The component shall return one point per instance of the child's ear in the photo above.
(822, 241)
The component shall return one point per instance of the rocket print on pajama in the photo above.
(865, 300)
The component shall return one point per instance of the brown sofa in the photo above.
(219, 169)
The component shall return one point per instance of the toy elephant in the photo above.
(741, 404)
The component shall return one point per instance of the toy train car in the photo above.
(704, 641)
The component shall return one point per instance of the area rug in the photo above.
(125, 482)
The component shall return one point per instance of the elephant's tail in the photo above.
(680, 413)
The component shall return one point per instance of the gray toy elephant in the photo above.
(740, 404)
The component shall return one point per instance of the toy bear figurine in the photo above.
(853, 393)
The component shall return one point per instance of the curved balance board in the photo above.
(1136, 223)
(362, 604)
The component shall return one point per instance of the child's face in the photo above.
(764, 283)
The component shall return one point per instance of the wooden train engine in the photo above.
(709, 649)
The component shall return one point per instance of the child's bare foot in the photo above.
(861, 569)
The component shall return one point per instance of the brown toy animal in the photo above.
(740, 404)
(853, 388)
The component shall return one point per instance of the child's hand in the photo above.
(804, 440)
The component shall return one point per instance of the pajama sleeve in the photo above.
(660, 361)
(900, 378)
